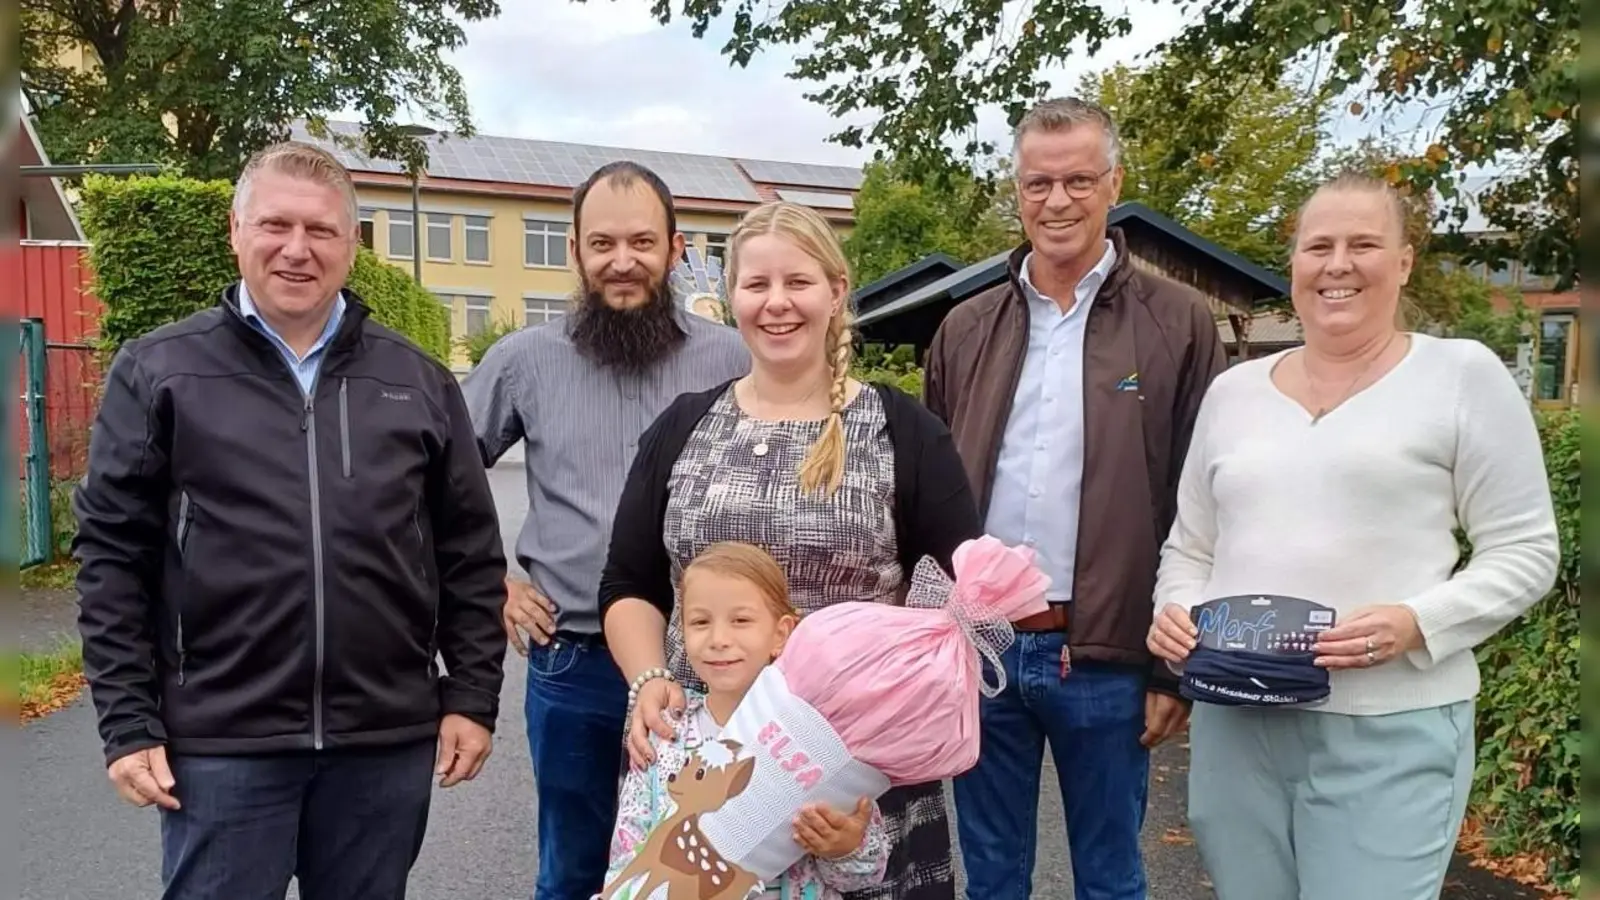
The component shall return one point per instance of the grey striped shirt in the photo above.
(581, 425)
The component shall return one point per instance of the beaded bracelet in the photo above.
(644, 677)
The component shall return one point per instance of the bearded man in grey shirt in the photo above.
(579, 392)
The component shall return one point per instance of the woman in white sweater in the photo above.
(1336, 472)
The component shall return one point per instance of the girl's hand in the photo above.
(1172, 634)
(827, 833)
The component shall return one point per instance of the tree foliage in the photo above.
(1501, 77)
(899, 221)
(203, 85)
(160, 252)
(1502, 73)
(1242, 192)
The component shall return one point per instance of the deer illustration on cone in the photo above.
(677, 854)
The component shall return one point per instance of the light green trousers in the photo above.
(1296, 805)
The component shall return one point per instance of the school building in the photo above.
(494, 213)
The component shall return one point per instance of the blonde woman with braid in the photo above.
(846, 485)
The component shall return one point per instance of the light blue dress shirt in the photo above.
(1038, 482)
(305, 367)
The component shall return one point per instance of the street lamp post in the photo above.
(419, 131)
(416, 228)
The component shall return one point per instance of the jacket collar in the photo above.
(1110, 290)
(355, 315)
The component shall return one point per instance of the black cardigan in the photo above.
(934, 506)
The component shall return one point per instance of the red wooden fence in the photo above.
(55, 287)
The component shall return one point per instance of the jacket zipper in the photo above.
(422, 545)
(344, 423)
(422, 565)
(308, 424)
(309, 427)
(185, 523)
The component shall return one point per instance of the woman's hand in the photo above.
(1370, 636)
(655, 697)
(827, 833)
(1172, 634)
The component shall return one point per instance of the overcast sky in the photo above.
(605, 72)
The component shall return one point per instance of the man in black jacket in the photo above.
(284, 523)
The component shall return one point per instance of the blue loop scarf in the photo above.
(1242, 678)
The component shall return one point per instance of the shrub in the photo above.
(400, 303)
(476, 345)
(898, 367)
(160, 252)
(1525, 790)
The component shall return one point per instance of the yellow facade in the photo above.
(493, 259)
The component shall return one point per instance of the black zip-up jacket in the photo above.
(264, 571)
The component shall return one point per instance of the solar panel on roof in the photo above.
(802, 174)
(492, 158)
(817, 199)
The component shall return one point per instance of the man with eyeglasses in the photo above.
(1071, 391)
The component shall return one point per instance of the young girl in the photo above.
(736, 618)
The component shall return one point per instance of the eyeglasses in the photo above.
(1078, 185)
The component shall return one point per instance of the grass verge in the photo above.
(62, 575)
(37, 684)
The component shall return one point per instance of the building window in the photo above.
(1534, 281)
(717, 247)
(477, 315)
(539, 310)
(1503, 274)
(545, 244)
(369, 231)
(439, 238)
(477, 235)
(402, 237)
(1550, 367)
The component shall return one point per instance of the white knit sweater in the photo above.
(1358, 509)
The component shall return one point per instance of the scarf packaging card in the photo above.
(1261, 623)
(736, 798)
(799, 760)
(1257, 650)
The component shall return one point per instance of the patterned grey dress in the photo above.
(834, 549)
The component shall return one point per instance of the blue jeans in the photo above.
(346, 824)
(1093, 719)
(575, 707)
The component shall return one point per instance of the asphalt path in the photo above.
(79, 842)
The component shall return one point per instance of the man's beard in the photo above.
(629, 340)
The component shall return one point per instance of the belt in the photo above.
(591, 640)
(1056, 618)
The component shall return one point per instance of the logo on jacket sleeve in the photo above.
(1130, 383)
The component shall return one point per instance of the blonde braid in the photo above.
(825, 461)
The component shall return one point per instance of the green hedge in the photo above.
(1526, 790)
(160, 251)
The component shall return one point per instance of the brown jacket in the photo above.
(1151, 351)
